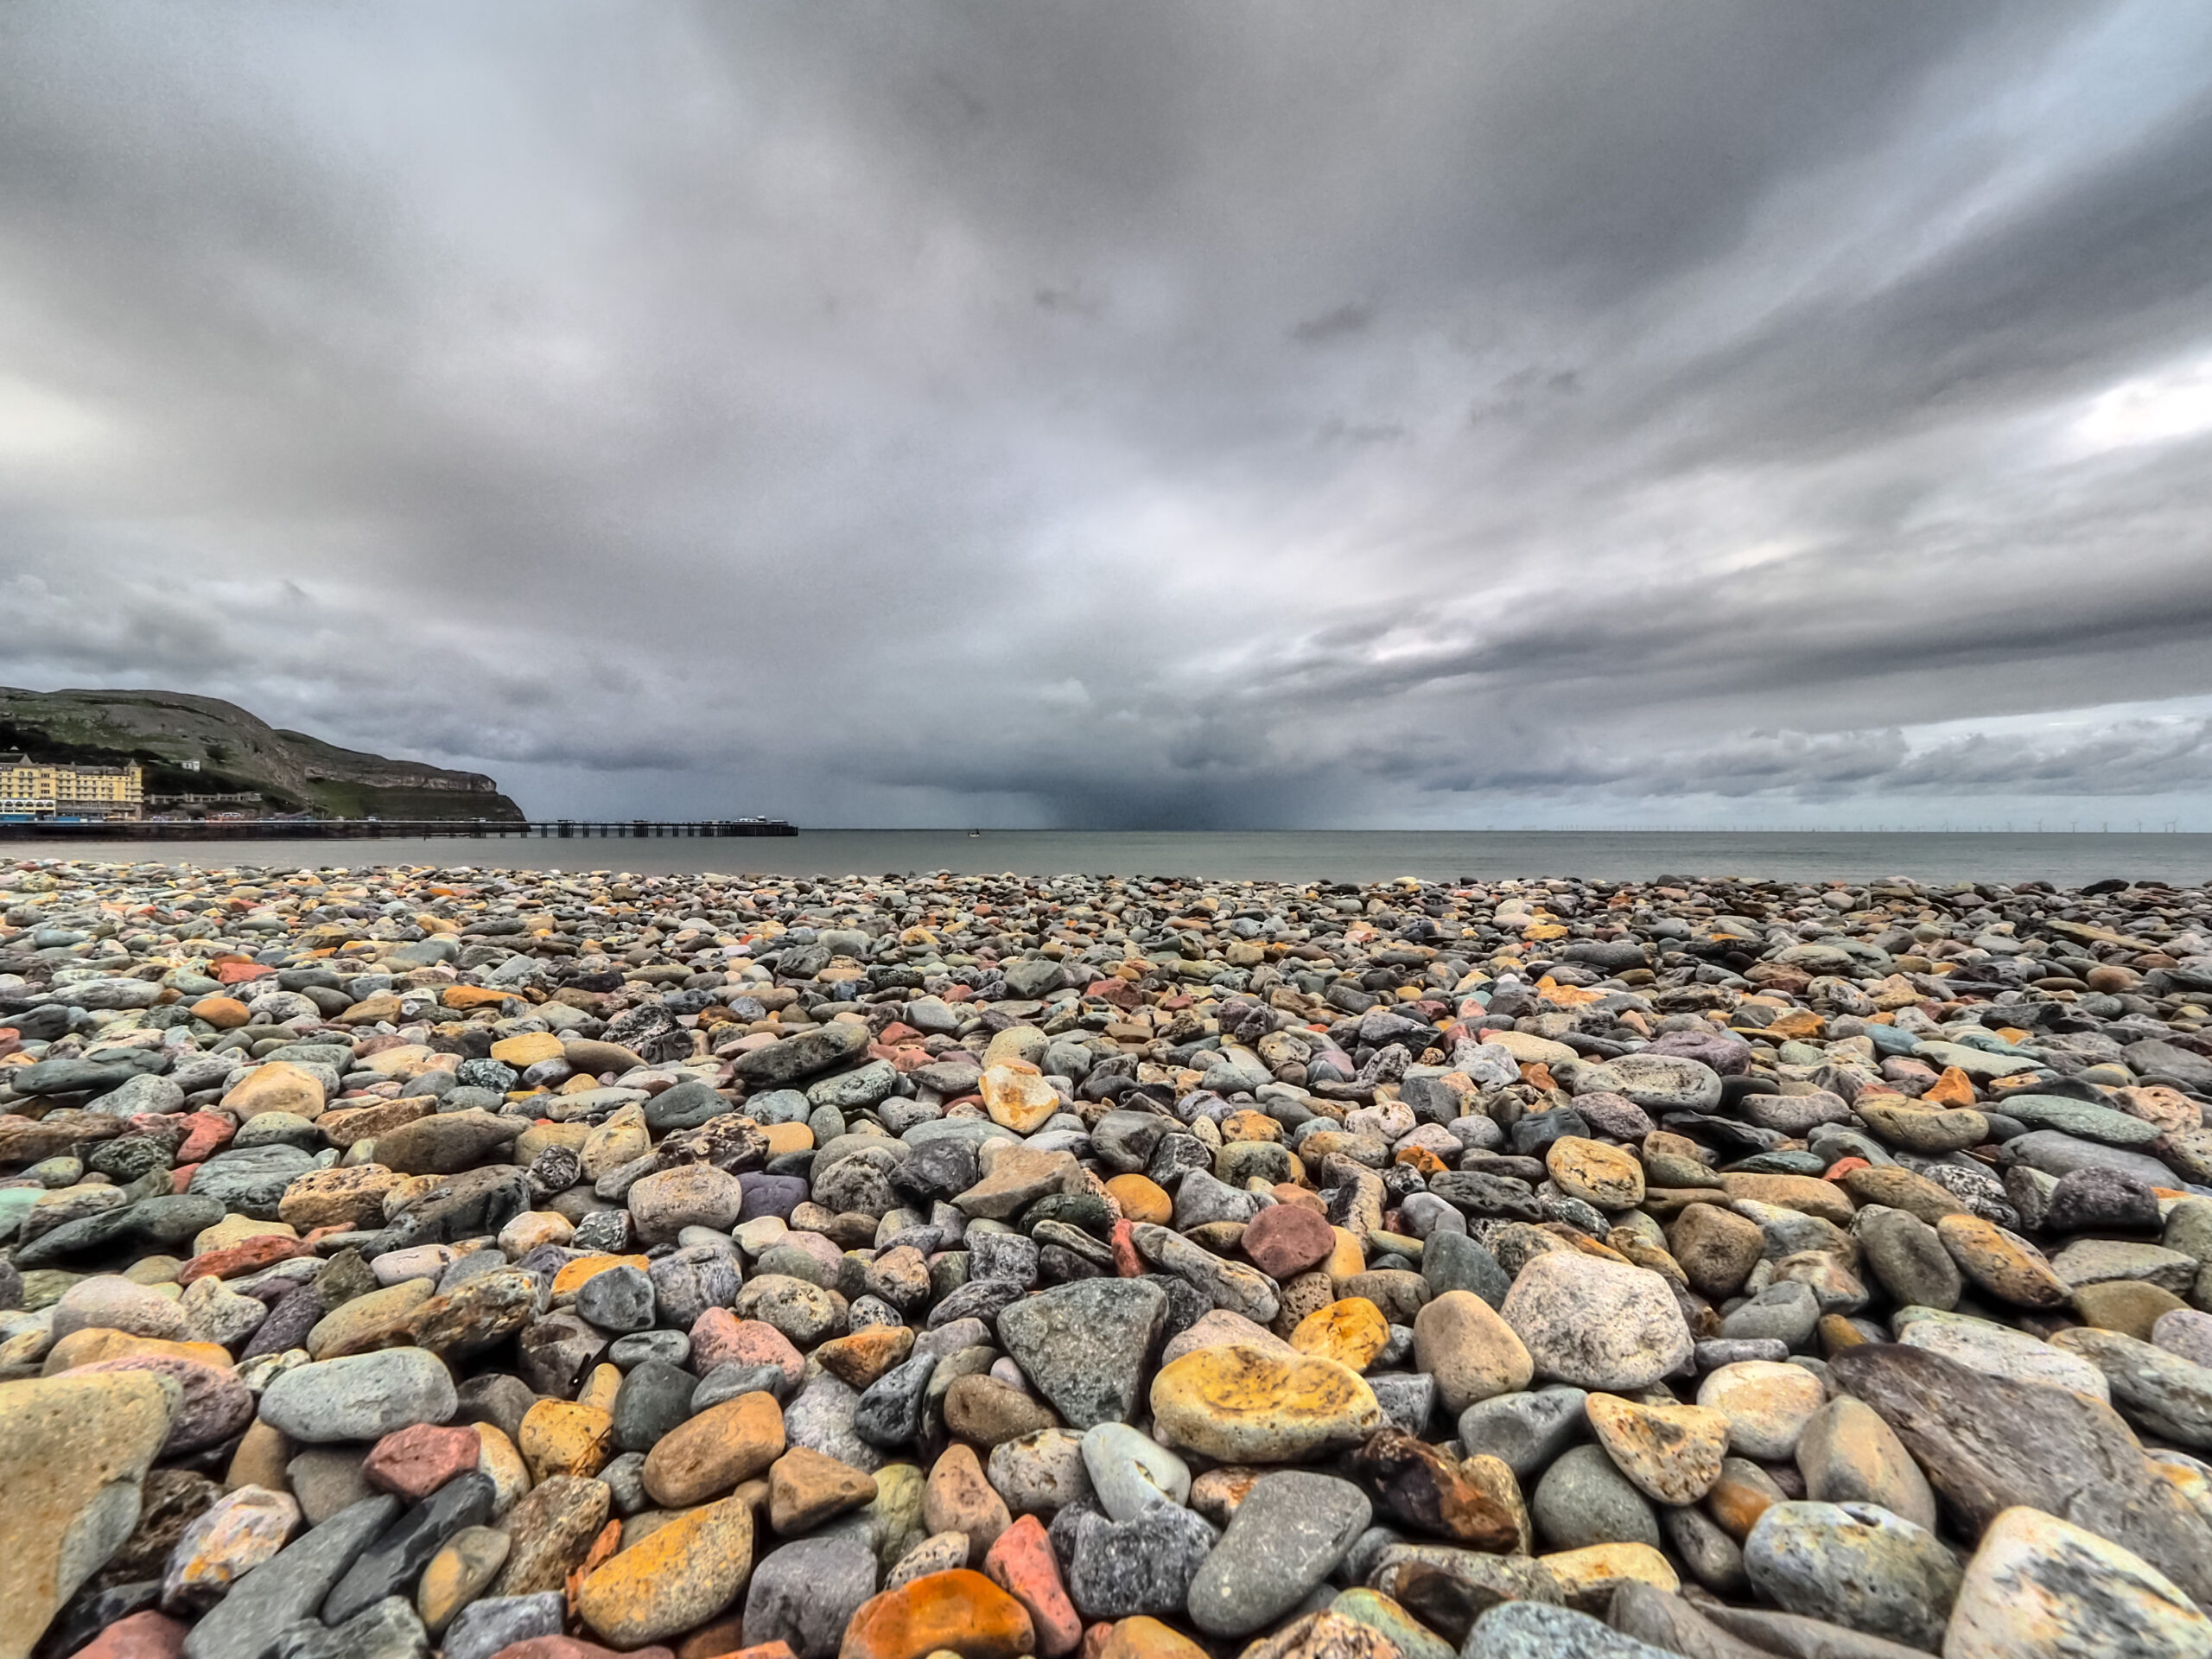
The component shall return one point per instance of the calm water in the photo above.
(1347, 856)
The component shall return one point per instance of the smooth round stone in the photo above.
(1473, 1354)
(1286, 1537)
(654, 1400)
(1453, 1260)
(110, 1302)
(360, 1397)
(1583, 1499)
(1130, 1471)
(1767, 1405)
(1598, 1324)
(618, 1298)
(1849, 1454)
(1785, 1312)
(1600, 1175)
(2089, 1200)
(1525, 1431)
(1854, 1565)
(1907, 1257)
(2039, 1587)
(1716, 1248)
(1044, 1472)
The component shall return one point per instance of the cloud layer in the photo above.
(1222, 414)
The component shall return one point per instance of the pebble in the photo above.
(1583, 1499)
(860, 1211)
(360, 1397)
(677, 1577)
(2040, 1588)
(1129, 1471)
(1855, 1565)
(1241, 1404)
(75, 1450)
(958, 1610)
(1596, 1324)
(236, 1534)
(805, 1592)
(1671, 1453)
(1287, 1535)
(1143, 1565)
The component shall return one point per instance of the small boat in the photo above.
(975, 834)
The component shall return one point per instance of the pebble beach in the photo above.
(422, 1259)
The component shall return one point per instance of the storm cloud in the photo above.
(1167, 415)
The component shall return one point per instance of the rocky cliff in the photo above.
(237, 752)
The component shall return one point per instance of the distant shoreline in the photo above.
(2066, 860)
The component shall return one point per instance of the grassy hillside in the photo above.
(237, 752)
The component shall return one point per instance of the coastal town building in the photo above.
(44, 788)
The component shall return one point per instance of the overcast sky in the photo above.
(1196, 415)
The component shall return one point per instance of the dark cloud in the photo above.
(1155, 414)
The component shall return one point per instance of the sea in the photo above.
(2065, 859)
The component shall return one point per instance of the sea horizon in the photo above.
(2066, 858)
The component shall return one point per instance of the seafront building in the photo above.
(44, 788)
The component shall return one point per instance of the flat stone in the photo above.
(2042, 1588)
(1532, 1630)
(1242, 1405)
(392, 1565)
(1998, 1350)
(1987, 1445)
(487, 1627)
(2168, 1395)
(250, 1622)
(1854, 1565)
(75, 1450)
(1671, 1453)
(1286, 1537)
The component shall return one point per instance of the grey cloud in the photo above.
(1163, 414)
